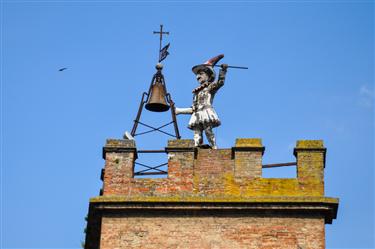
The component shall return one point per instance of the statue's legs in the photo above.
(198, 139)
(210, 137)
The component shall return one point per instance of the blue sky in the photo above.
(311, 76)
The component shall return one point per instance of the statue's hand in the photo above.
(183, 110)
(224, 67)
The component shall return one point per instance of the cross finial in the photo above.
(161, 32)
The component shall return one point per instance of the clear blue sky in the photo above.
(311, 76)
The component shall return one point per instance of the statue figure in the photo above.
(203, 115)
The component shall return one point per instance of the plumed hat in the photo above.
(208, 67)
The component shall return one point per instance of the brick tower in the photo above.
(210, 199)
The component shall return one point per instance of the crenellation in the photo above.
(227, 172)
(212, 198)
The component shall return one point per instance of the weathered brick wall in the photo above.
(211, 199)
(223, 172)
(212, 232)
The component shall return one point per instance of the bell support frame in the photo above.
(158, 78)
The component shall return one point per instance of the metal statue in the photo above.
(203, 115)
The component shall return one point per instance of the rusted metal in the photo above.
(157, 100)
(150, 173)
(174, 118)
(147, 171)
(149, 168)
(143, 101)
(153, 129)
(102, 174)
(151, 151)
(275, 165)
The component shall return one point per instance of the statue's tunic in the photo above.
(204, 115)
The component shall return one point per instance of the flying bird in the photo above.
(62, 69)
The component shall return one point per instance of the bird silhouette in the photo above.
(62, 69)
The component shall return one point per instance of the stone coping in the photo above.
(240, 142)
(124, 143)
(248, 142)
(213, 199)
(322, 206)
(309, 144)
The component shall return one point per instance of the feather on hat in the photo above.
(208, 67)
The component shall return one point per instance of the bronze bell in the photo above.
(156, 101)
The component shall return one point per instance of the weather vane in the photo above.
(163, 52)
(157, 99)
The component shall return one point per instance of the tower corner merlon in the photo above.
(119, 156)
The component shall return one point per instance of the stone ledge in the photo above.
(243, 148)
(180, 149)
(309, 144)
(118, 150)
(119, 146)
(248, 142)
(123, 143)
(281, 199)
(327, 209)
(181, 143)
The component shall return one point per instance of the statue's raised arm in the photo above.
(214, 86)
(203, 115)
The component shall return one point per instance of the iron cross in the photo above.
(161, 36)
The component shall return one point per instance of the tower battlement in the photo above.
(216, 196)
(205, 173)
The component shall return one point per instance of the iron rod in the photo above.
(274, 165)
(150, 168)
(174, 118)
(151, 173)
(153, 168)
(138, 114)
(233, 67)
(156, 129)
(151, 151)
